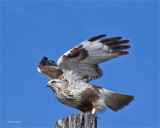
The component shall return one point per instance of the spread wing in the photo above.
(49, 68)
(81, 62)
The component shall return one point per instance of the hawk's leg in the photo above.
(93, 110)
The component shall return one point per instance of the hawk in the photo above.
(71, 76)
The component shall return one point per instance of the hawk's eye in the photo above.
(53, 82)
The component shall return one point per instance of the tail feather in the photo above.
(118, 101)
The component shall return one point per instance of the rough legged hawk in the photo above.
(71, 76)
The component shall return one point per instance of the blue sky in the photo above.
(33, 29)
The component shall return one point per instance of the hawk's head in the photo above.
(56, 84)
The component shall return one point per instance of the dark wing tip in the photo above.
(45, 62)
(123, 52)
(44, 58)
(49, 68)
(107, 40)
(125, 41)
(97, 37)
(122, 47)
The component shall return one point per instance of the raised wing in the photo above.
(82, 61)
(49, 68)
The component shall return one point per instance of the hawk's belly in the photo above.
(83, 100)
(71, 100)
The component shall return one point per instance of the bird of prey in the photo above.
(71, 76)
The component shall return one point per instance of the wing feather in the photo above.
(49, 68)
(89, 54)
(97, 37)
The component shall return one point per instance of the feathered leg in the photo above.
(93, 111)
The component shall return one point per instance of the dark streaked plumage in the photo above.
(49, 68)
(78, 52)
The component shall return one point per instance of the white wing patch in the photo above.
(95, 46)
(82, 61)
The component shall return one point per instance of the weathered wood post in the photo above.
(78, 121)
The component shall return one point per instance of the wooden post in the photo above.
(78, 121)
